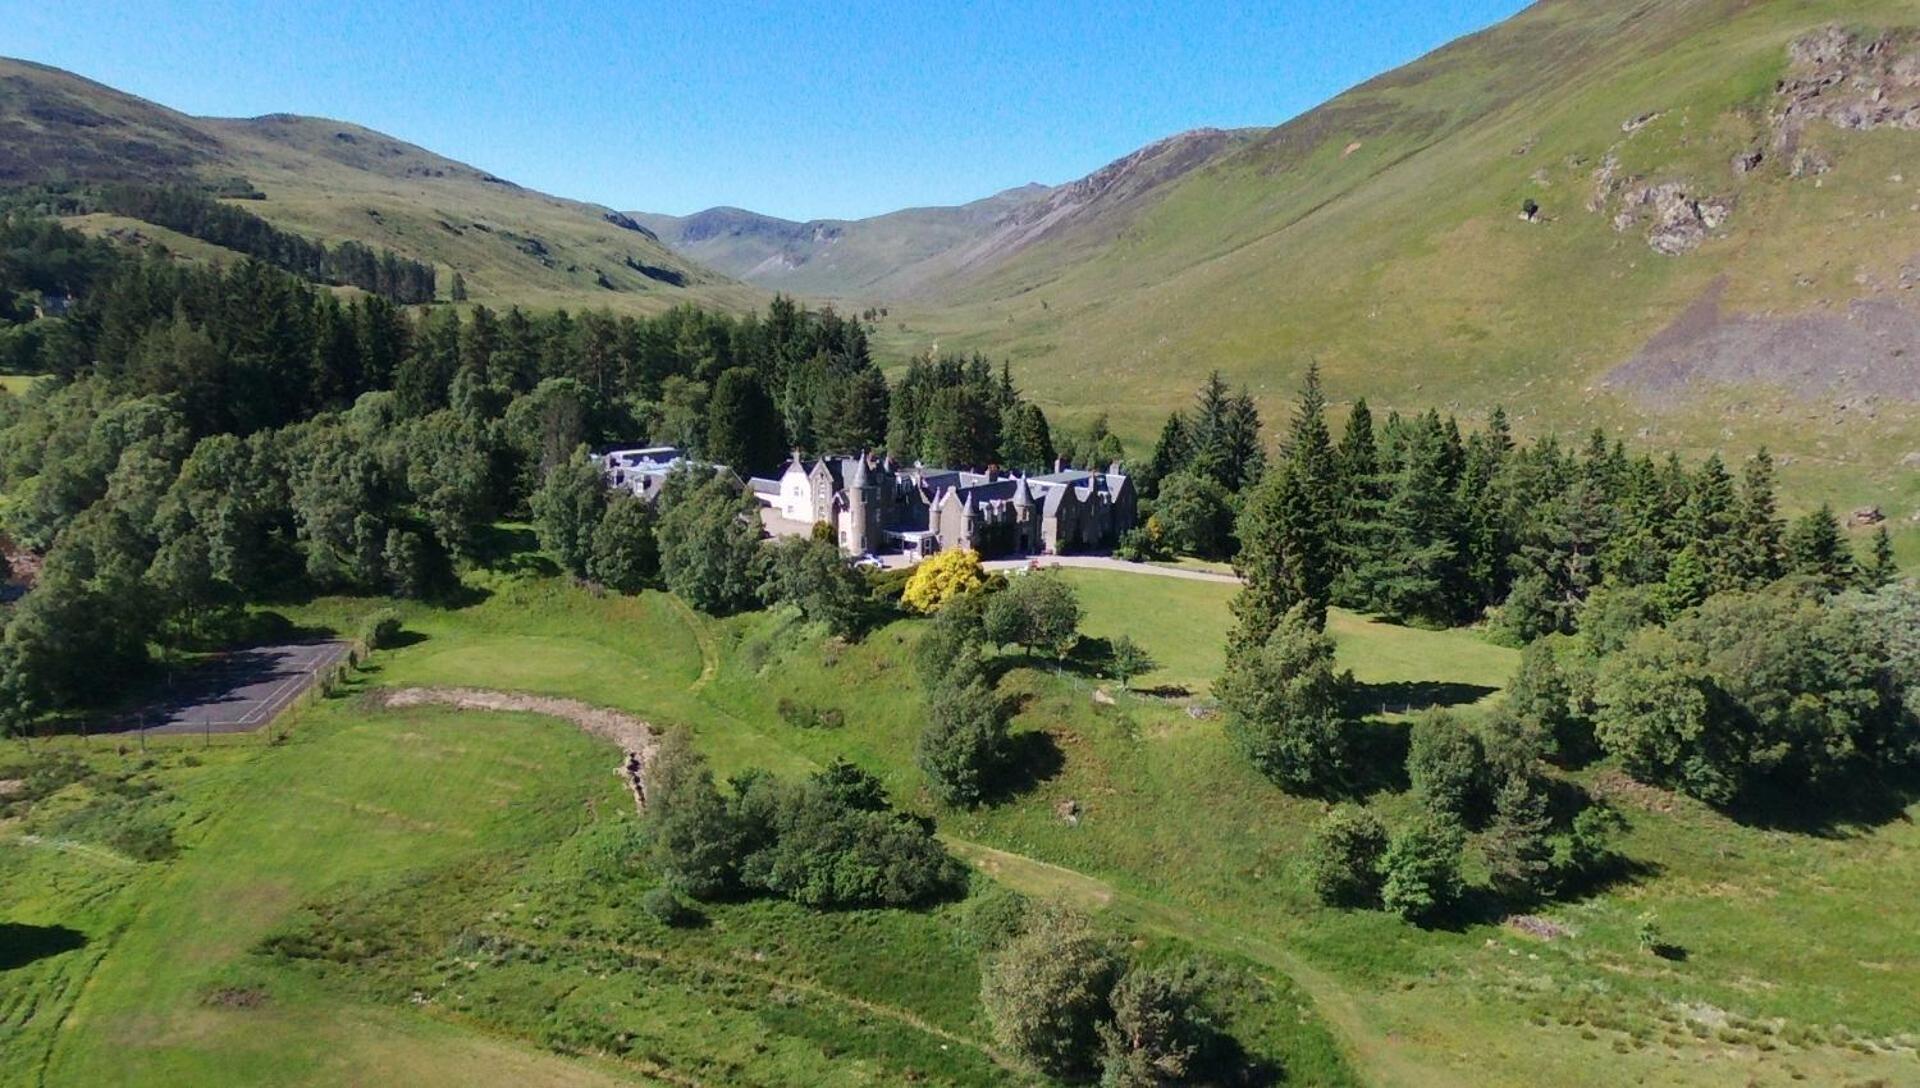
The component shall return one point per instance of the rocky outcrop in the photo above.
(1679, 221)
(1675, 218)
(1851, 81)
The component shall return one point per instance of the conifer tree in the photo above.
(1713, 525)
(1288, 529)
(743, 429)
(1415, 571)
(1816, 548)
(1760, 524)
(1881, 568)
(1362, 501)
(1171, 453)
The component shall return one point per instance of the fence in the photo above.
(140, 738)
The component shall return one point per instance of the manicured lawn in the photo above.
(1184, 623)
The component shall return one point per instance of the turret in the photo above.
(861, 510)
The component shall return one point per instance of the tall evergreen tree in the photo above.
(1713, 525)
(1759, 521)
(743, 429)
(1415, 572)
(1288, 529)
(1881, 568)
(1817, 548)
(1171, 453)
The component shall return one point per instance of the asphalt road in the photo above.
(1103, 562)
(241, 692)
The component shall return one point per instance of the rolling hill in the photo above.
(334, 181)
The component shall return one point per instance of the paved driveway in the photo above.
(1106, 562)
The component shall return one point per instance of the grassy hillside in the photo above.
(444, 893)
(334, 181)
(1381, 234)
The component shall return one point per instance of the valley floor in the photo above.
(430, 895)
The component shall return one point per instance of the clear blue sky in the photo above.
(800, 110)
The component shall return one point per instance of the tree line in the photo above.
(1420, 521)
(197, 214)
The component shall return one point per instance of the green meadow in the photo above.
(432, 896)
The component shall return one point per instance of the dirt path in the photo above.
(709, 657)
(1377, 1056)
(634, 736)
(1381, 1059)
(904, 1017)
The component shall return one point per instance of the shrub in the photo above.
(1551, 695)
(826, 854)
(1035, 610)
(1421, 870)
(1447, 766)
(624, 554)
(887, 586)
(143, 836)
(665, 906)
(1343, 858)
(941, 579)
(994, 917)
(807, 716)
(965, 744)
(1143, 544)
(1517, 846)
(1752, 694)
(1284, 701)
(1160, 1028)
(1046, 993)
(1130, 659)
(381, 630)
(1586, 852)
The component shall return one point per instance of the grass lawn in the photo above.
(18, 384)
(1183, 622)
(431, 864)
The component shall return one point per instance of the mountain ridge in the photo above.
(335, 180)
(913, 251)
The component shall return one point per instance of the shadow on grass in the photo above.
(1378, 762)
(1861, 804)
(1090, 660)
(1034, 757)
(1412, 696)
(511, 549)
(22, 944)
